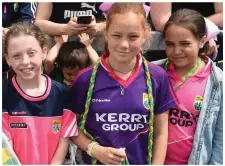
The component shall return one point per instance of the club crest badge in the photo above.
(146, 101)
(198, 103)
(56, 125)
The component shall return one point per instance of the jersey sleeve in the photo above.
(166, 97)
(78, 94)
(5, 115)
(27, 11)
(69, 124)
(69, 120)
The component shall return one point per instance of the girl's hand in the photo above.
(108, 155)
(61, 39)
(85, 39)
(213, 49)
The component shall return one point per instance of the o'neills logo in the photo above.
(101, 100)
(121, 121)
(19, 113)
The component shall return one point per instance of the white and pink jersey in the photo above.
(36, 124)
(184, 117)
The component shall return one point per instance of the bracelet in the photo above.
(90, 147)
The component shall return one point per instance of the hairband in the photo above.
(105, 6)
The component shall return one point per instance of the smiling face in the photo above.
(182, 47)
(125, 35)
(25, 56)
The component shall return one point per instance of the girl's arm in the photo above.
(85, 39)
(160, 138)
(61, 152)
(105, 155)
(53, 53)
(160, 14)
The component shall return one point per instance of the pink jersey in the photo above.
(184, 117)
(36, 124)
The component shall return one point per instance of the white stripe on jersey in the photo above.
(70, 127)
(33, 8)
(74, 131)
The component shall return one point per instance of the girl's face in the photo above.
(25, 56)
(182, 46)
(125, 36)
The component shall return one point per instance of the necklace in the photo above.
(188, 75)
(131, 70)
(150, 104)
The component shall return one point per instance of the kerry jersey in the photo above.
(183, 118)
(119, 110)
(36, 124)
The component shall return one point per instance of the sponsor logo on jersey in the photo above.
(198, 102)
(19, 113)
(56, 125)
(18, 125)
(121, 121)
(146, 101)
(182, 118)
(100, 100)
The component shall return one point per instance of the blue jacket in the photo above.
(207, 147)
(14, 12)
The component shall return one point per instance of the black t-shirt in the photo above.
(63, 12)
(205, 8)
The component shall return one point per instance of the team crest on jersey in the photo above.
(146, 101)
(56, 124)
(198, 103)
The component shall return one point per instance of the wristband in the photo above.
(90, 147)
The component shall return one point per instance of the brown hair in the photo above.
(24, 28)
(191, 20)
(121, 8)
(72, 54)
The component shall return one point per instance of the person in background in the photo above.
(66, 59)
(61, 18)
(121, 94)
(196, 124)
(160, 13)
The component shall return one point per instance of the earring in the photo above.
(142, 42)
(201, 45)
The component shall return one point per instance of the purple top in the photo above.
(116, 120)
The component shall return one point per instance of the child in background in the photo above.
(66, 59)
(36, 112)
(196, 124)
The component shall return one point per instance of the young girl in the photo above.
(125, 96)
(37, 116)
(196, 124)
